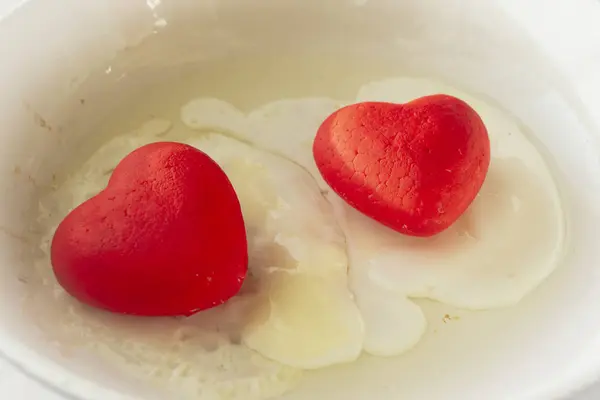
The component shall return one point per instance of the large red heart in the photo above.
(414, 167)
(166, 237)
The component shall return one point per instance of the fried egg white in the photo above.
(500, 250)
(295, 311)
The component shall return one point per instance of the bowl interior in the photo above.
(70, 83)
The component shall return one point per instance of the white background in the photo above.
(14, 385)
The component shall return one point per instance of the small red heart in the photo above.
(413, 167)
(166, 237)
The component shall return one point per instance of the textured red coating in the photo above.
(414, 167)
(166, 237)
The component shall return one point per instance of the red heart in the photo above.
(166, 237)
(413, 167)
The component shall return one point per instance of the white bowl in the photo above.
(539, 59)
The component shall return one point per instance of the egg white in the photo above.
(500, 250)
(295, 311)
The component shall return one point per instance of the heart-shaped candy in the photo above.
(413, 167)
(166, 237)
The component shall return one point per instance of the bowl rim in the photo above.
(53, 376)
